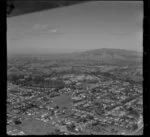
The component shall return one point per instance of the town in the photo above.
(69, 97)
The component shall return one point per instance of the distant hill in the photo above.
(110, 56)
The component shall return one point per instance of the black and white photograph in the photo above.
(74, 67)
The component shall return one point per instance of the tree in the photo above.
(133, 112)
(71, 127)
(134, 127)
(56, 132)
(17, 122)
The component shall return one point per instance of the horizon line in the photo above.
(69, 52)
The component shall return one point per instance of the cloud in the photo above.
(40, 26)
(53, 30)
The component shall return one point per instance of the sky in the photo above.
(80, 27)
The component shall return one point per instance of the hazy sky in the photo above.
(91, 25)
